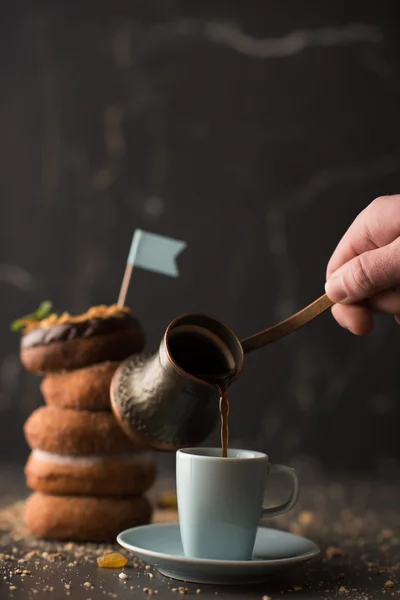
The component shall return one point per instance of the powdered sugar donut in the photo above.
(119, 475)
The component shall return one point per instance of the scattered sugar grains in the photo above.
(332, 552)
(343, 590)
(123, 576)
(389, 584)
(113, 560)
(306, 517)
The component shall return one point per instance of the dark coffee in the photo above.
(198, 353)
(224, 411)
(202, 354)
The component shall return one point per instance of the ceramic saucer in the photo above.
(160, 546)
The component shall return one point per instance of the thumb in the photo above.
(365, 275)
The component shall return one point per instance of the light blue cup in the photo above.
(220, 500)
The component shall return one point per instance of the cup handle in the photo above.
(286, 506)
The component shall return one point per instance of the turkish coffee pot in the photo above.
(170, 399)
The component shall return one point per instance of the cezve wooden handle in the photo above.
(278, 331)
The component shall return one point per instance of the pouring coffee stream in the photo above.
(174, 397)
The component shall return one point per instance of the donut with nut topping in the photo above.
(66, 342)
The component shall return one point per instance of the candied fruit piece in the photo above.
(168, 499)
(112, 561)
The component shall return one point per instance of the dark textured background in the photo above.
(256, 131)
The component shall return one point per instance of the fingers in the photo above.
(364, 276)
(376, 226)
(359, 319)
(355, 318)
(387, 302)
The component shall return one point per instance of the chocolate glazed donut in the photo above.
(74, 345)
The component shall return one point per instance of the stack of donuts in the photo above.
(88, 477)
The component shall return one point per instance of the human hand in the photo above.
(363, 274)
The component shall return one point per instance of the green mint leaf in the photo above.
(44, 310)
(40, 313)
(17, 325)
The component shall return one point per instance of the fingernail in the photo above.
(335, 289)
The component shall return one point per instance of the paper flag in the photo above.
(155, 252)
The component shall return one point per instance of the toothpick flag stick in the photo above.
(125, 285)
(152, 252)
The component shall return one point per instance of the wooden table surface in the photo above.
(357, 525)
